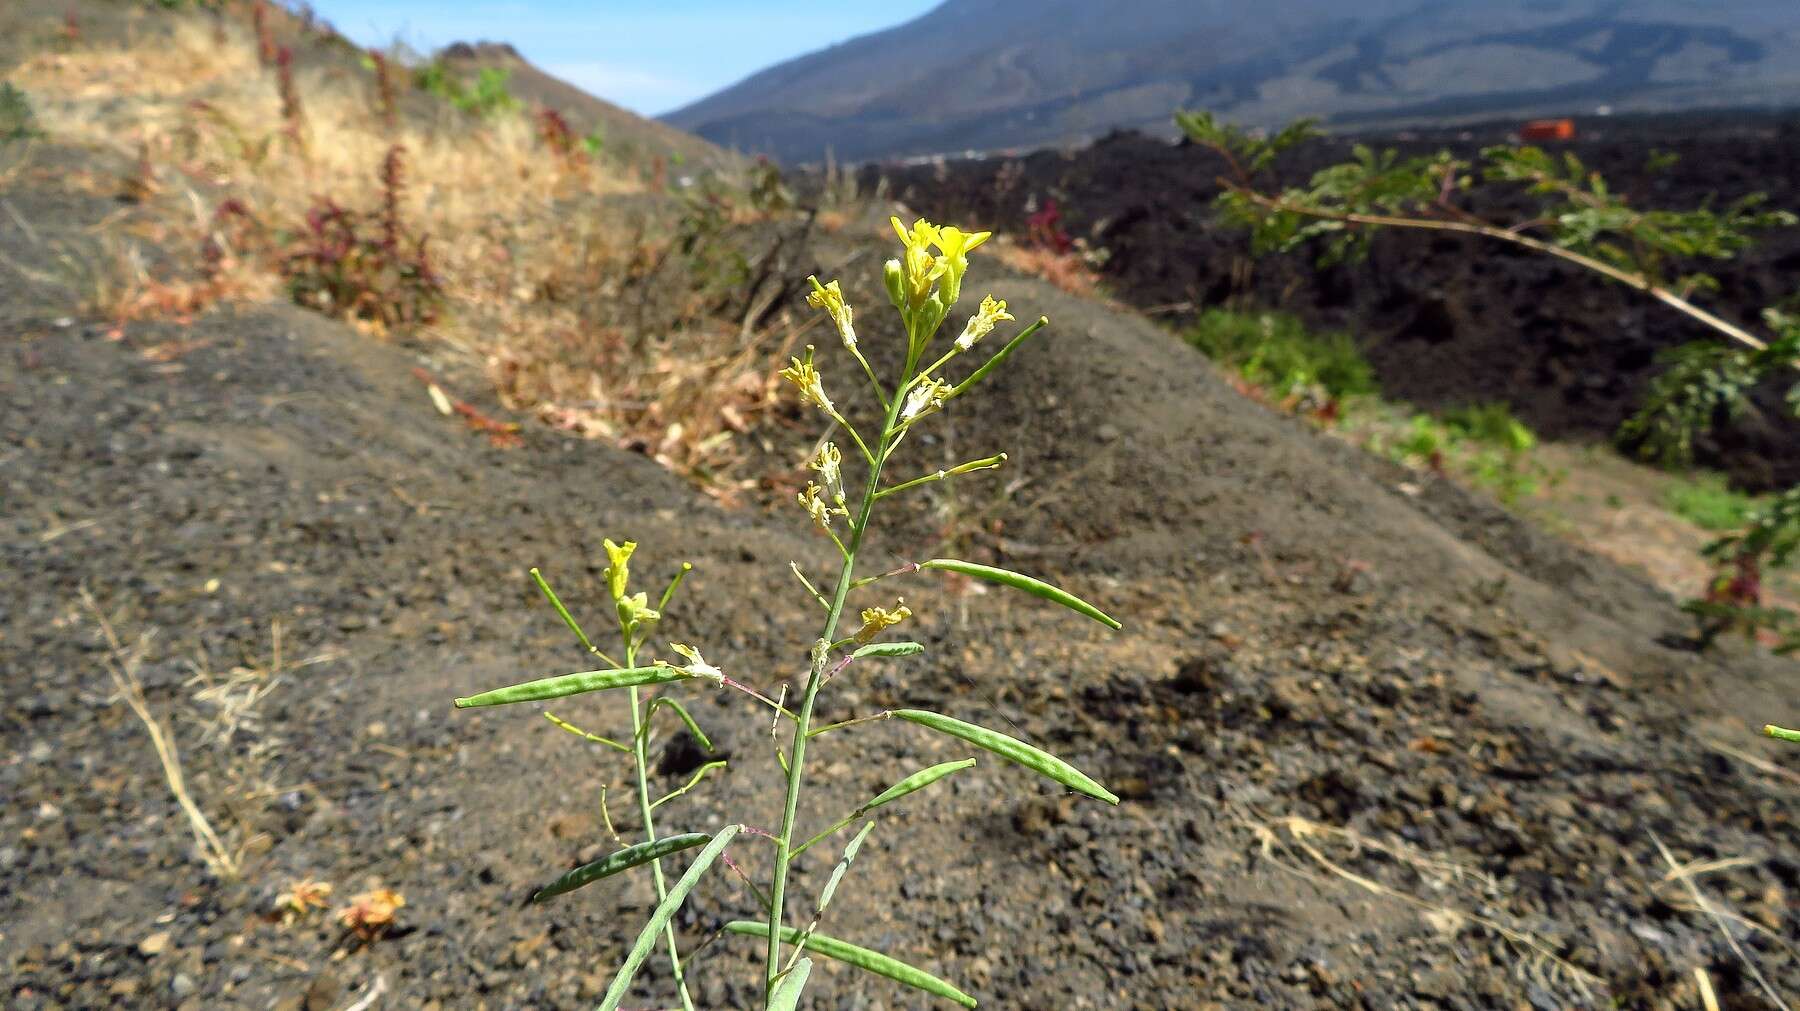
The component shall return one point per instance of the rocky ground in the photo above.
(1447, 321)
(1379, 744)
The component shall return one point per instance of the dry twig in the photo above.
(122, 666)
(1685, 876)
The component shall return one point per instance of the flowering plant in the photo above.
(924, 284)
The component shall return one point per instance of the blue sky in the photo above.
(648, 56)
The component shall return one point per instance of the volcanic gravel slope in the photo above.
(1379, 745)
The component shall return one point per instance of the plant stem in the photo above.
(1626, 277)
(641, 764)
(797, 751)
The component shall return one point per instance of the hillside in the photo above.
(633, 134)
(1483, 724)
(1006, 74)
(1378, 742)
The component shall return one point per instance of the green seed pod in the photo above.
(862, 958)
(613, 863)
(888, 649)
(574, 684)
(1013, 750)
(914, 783)
(1019, 581)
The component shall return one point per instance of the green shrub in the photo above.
(1492, 425)
(488, 97)
(17, 121)
(1277, 351)
(1707, 502)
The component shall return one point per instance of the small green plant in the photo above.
(1492, 425)
(1706, 501)
(1705, 383)
(1276, 351)
(1486, 445)
(923, 284)
(17, 120)
(488, 97)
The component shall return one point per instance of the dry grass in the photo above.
(1686, 873)
(240, 750)
(1296, 843)
(122, 666)
(1067, 271)
(598, 318)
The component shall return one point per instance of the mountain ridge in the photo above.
(1033, 73)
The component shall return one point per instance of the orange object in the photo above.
(1548, 129)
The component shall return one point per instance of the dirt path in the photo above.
(1376, 749)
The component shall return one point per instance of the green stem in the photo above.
(641, 764)
(796, 766)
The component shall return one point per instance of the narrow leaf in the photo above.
(646, 939)
(914, 783)
(1011, 749)
(888, 649)
(787, 992)
(574, 684)
(613, 863)
(843, 865)
(1019, 581)
(862, 958)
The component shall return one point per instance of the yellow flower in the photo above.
(980, 324)
(815, 507)
(806, 379)
(830, 298)
(919, 270)
(926, 398)
(696, 664)
(618, 572)
(954, 246)
(829, 463)
(922, 235)
(878, 619)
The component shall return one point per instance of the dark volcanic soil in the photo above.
(1446, 320)
(1380, 745)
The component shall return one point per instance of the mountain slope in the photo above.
(990, 74)
(624, 130)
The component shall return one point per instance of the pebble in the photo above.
(155, 944)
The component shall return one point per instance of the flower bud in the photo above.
(895, 279)
(618, 569)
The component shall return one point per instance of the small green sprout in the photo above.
(924, 284)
